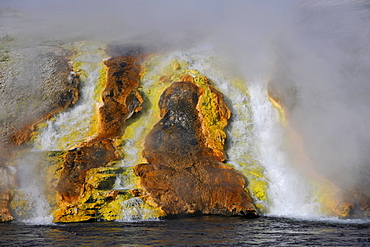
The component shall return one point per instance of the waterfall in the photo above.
(288, 190)
(256, 141)
(30, 203)
(79, 123)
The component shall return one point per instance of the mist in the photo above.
(326, 57)
(318, 50)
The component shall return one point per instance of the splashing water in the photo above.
(289, 191)
(255, 138)
(32, 206)
(134, 210)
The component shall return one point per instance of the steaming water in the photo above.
(257, 140)
(31, 191)
(289, 191)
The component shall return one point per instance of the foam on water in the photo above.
(335, 220)
(134, 210)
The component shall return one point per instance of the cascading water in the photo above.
(242, 150)
(76, 124)
(294, 75)
(79, 124)
(289, 191)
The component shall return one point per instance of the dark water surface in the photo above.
(199, 231)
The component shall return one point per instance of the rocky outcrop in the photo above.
(68, 97)
(77, 188)
(78, 161)
(33, 88)
(121, 97)
(184, 174)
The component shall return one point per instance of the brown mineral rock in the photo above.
(5, 214)
(79, 161)
(183, 175)
(121, 99)
(359, 202)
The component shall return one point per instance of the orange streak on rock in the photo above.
(67, 98)
(213, 121)
(79, 161)
(121, 97)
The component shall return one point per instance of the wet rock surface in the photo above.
(121, 97)
(183, 175)
(34, 85)
(78, 162)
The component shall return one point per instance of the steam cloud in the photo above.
(319, 48)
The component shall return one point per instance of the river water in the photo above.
(197, 231)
